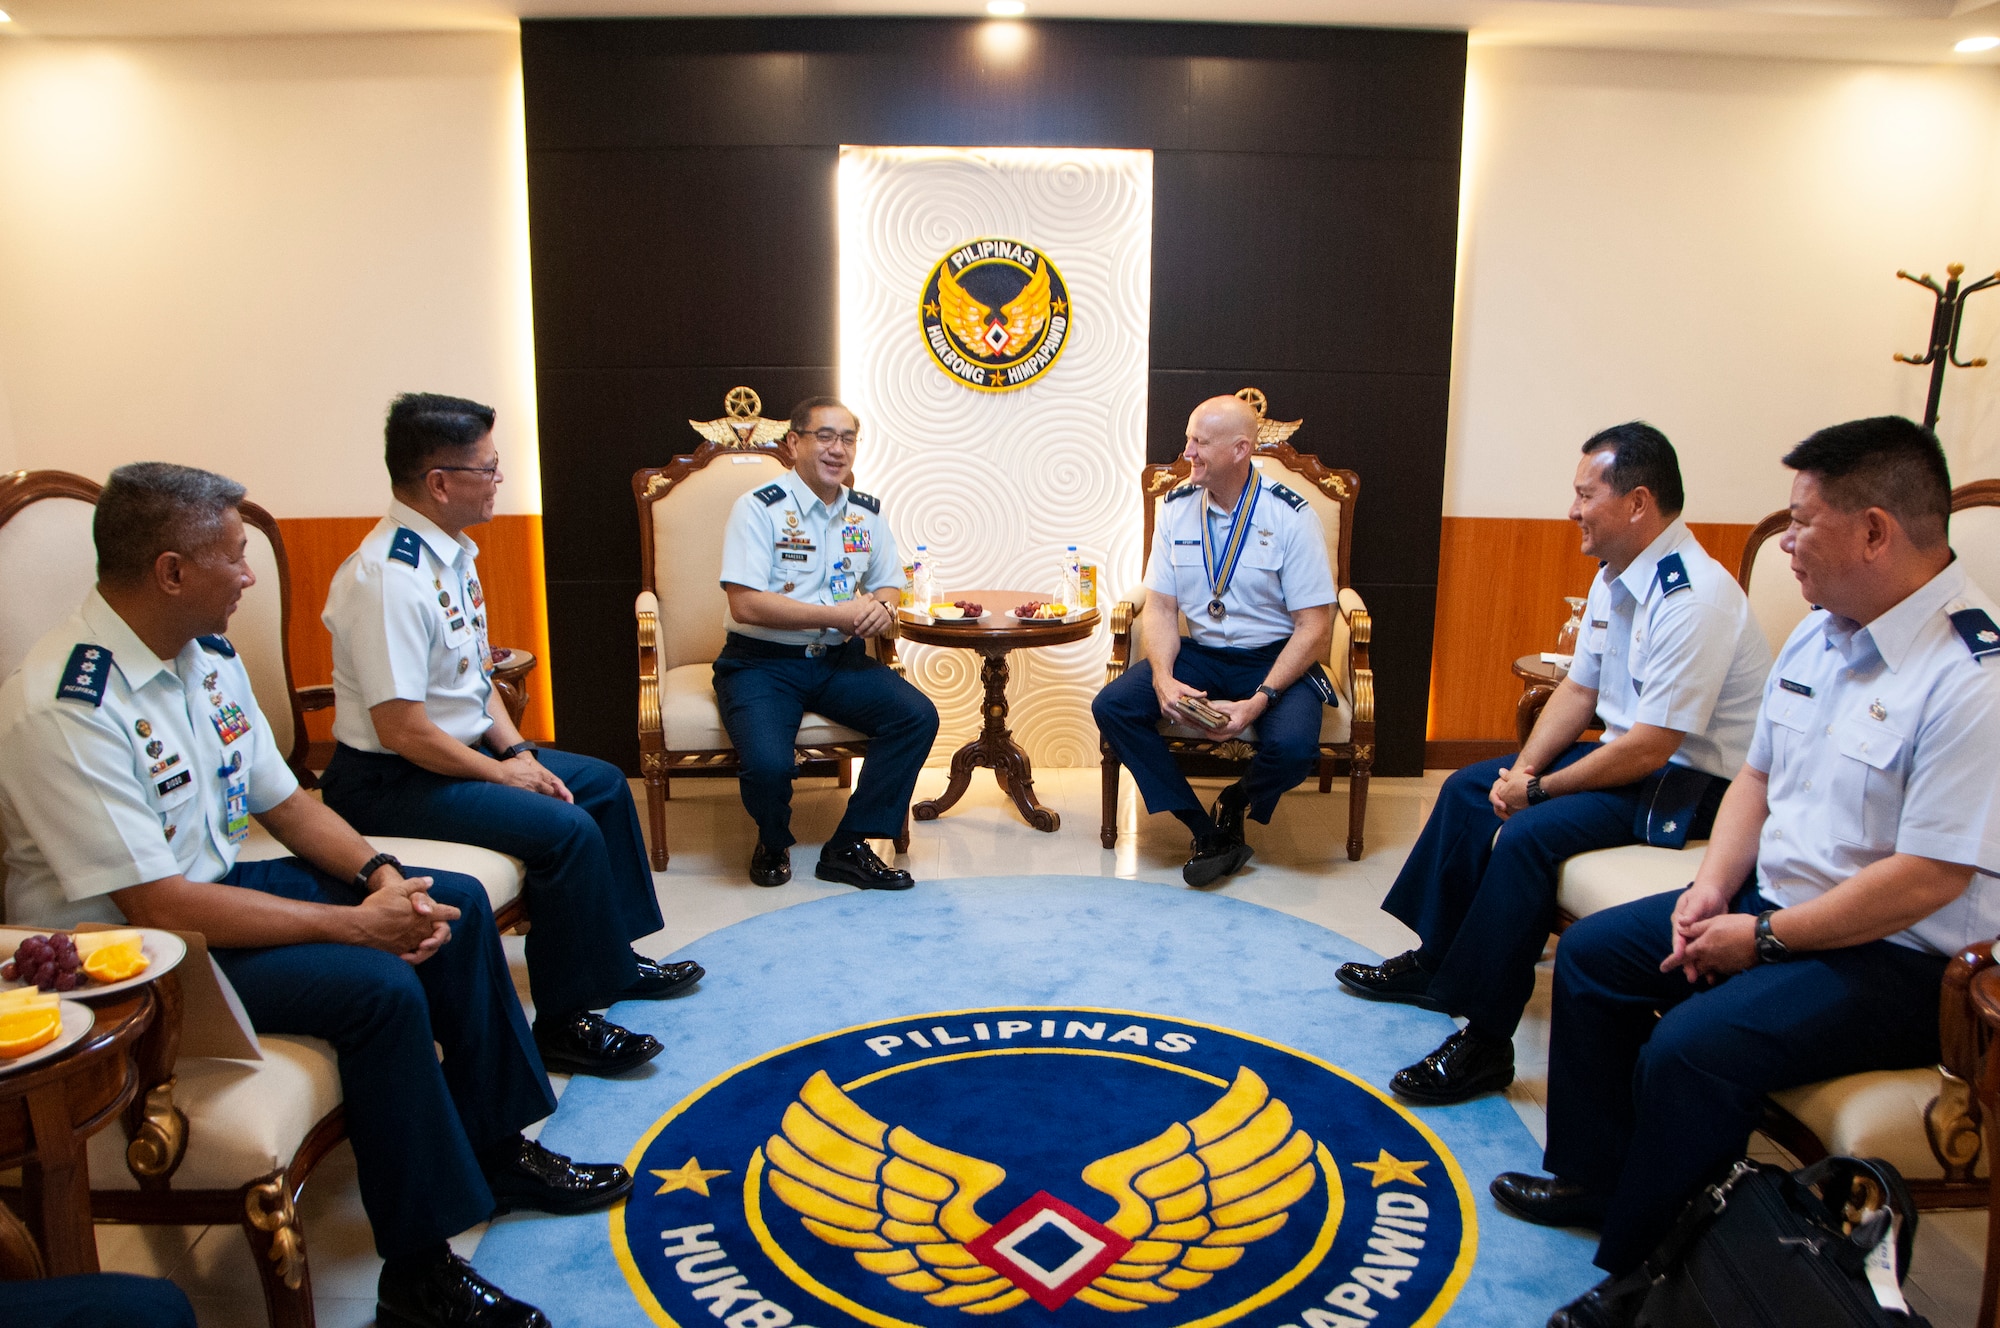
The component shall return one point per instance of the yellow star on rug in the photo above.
(1385, 1169)
(692, 1177)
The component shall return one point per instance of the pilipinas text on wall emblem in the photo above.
(1025, 1167)
(996, 314)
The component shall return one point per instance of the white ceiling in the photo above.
(1899, 30)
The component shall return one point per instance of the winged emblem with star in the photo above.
(1190, 1200)
(996, 335)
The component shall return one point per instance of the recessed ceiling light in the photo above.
(1974, 44)
(1014, 9)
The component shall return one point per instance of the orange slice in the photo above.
(23, 1031)
(115, 963)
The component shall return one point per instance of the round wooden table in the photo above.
(511, 668)
(49, 1111)
(993, 637)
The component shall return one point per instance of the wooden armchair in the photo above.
(210, 1141)
(683, 508)
(1347, 731)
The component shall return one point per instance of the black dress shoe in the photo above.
(1215, 856)
(1227, 811)
(523, 1174)
(586, 1043)
(657, 979)
(1401, 979)
(1465, 1065)
(442, 1291)
(856, 864)
(1612, 1303)
(1546, 1201)
(770, 866)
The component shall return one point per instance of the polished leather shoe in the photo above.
(1465, 1065)
(856, 864)
(523, 1174)
(1215, 856)
(1546, 1201)
(1612, 1303)
(657, 979)
(442, 1291)
(770, 866)
(1401, 979)
(1227, 812)
(586, 1043)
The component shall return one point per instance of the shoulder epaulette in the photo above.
(407, 547)
(1180, 493)
(1293, 500)
(83, 677)
(1672, 574)
(867, 500)
(1974, 626)
(217, 645)
(770, 493)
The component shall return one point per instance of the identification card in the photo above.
(841, 586)
(235, 803)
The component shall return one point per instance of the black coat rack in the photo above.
(1945, 321)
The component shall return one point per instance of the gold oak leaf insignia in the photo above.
(1387, 1169)
(1192, 1197)
(689, 1177)
(902, 1205)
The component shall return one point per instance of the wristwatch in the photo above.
(517, 749)
(373, 865)
(1537, 795)
(1770, 950)
(1270, 692)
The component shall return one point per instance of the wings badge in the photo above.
(995, 314)
(742, 424)
(1189, 1200)
(1000, 335)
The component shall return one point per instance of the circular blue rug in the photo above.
(1034, 1100)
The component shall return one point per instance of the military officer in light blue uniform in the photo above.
(1854, 853)
(1673, 662)
(425, 747)
(811, 571)
(133, 756)
(1244, 559)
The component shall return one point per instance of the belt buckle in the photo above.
(815, 650)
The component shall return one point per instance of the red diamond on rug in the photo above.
(1049, 1249)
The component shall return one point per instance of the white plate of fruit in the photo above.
(38, 1025)
(85, 964)
(957, 611)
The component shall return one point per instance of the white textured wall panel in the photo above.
(997, 483)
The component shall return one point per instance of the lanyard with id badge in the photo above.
(235, 799)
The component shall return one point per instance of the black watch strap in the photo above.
(517, 749)
(1770, 950)
(1537, 795)
(1271, 693)
(373, 865)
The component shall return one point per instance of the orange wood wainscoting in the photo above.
(510, 572)
(1501, 583)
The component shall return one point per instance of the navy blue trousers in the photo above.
(764, 698)
(415, 1121)
(1655, 1085)
(95, 1300)
(1128, 715)
(588, 886)
(1499, 894)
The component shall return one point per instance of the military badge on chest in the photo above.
(228, 717)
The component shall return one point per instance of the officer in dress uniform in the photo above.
(425, 747)
(1244, 558)
(811, 571)
(132, 757)
(1673, 662)
(1853, 854)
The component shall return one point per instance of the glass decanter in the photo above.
(1566, 638)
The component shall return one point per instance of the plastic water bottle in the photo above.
(920, 580)
(1071, 590)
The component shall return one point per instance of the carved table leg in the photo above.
(61, 1190)
(996, 750)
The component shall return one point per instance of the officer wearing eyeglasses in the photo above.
(811, 571)
(426, 749)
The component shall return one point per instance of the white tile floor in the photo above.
(1299, 869)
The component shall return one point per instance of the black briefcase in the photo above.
(1768, 1248)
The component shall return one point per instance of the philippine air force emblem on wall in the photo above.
(996, 314)
(1035, 1167)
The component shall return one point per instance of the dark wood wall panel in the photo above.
(681, 195)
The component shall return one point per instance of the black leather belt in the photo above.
(754, 647)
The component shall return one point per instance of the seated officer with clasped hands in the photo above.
(426, 749)
(812, 572)
(1852, 856)
(132, 757)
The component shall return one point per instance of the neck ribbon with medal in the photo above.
(1221, 564)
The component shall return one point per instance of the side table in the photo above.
(511, 668)
(1538, 683)
(994, 637)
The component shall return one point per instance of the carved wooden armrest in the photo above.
(1968, 1013)
(1360, 629)
(884, 647)
(646, 611)
(156, 1130)
(318, 697)
(1123, 614)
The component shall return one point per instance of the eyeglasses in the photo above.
(828, 437)
(490, 473)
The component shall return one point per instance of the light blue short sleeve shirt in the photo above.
(783, 539)
(1283, 567)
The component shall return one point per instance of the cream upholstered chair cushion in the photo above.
(1775, 599)
(498, 872)
(1975, 538)
(1592, 882)
(690, 521)
(692, 719)
(48, 563)
(1878, 1113)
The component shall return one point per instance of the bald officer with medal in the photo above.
(1244, 559)
(425, 747)
(133, 757)
(812, 572)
